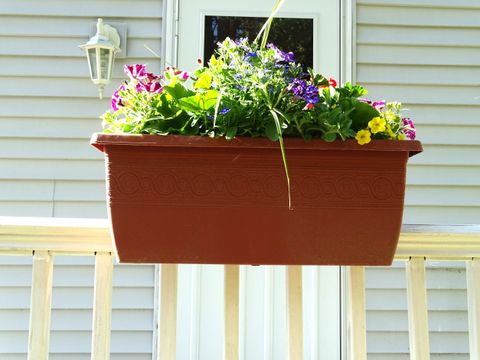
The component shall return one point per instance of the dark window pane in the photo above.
(287, 33)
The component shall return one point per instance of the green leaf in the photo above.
(177, 91)
(271, 131)
(362, 114)
(231, 132)
(204, 81)
(329, 137)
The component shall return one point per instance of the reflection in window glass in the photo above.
(287, 33)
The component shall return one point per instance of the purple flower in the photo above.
(116, 99)
(136, 71)
(301, 89)
(281, 55)
(224, 111)
(298, 87)
(409, 128)
(311, 94)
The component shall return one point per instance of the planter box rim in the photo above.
(100, 140)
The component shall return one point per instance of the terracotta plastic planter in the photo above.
(179, 199)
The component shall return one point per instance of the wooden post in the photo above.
(40, 308)
(232, 298)
(356, 314)
(417, 309)
(473, 290)
(295, 312)
(167, 321)
(102, 306)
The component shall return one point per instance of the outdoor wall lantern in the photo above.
(101, 50)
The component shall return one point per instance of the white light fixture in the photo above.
(101, 50)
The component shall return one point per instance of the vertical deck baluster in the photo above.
(473, 289)
(294, 312)
(356, 314)
(417, 309)
(232, 298)
(102, 306)
(41, 302)
(167, 335)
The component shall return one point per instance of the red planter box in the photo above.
(180, 199)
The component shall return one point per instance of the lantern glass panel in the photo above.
(92, 58)
(104, 63)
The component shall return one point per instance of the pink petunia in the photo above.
(409, 128)
(136, 71)
(116, 99)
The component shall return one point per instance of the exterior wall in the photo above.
(48, 110)
(426, 54)
(423, 52)
(49, 107)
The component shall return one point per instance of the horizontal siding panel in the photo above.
(452, 321)
(423, 94)
(48, 149)
(449, 134)
(448, 155)
(80, 341)
(14, 342)
(445, 114)
(50, 128)
(44, 107)
(68, 47)
(458, 4)
(53, 169)
(442, 196)
(79, 276)
(82, 298)
(385, 342)
(406, 356)
(73, 67)
(418, 75)
(437, 278)
(23, 190)
(81, 210)
(80, 191)
(415, 35)
(52, 26)
(445, 215)
(53, 87)
(417, 55)
(395, 299)
(81, 8)
(26, 208)
(78, 320)
(445, 175)
(397, 15)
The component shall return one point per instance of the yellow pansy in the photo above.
(377, 124)
(363, 137)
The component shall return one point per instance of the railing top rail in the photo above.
(20, 235)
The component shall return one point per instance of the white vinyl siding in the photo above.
(49, 107)
(72, 301)
(48, 110)
(426, 54)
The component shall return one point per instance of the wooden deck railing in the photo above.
(44, 238)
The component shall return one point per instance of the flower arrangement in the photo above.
(246, 90)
